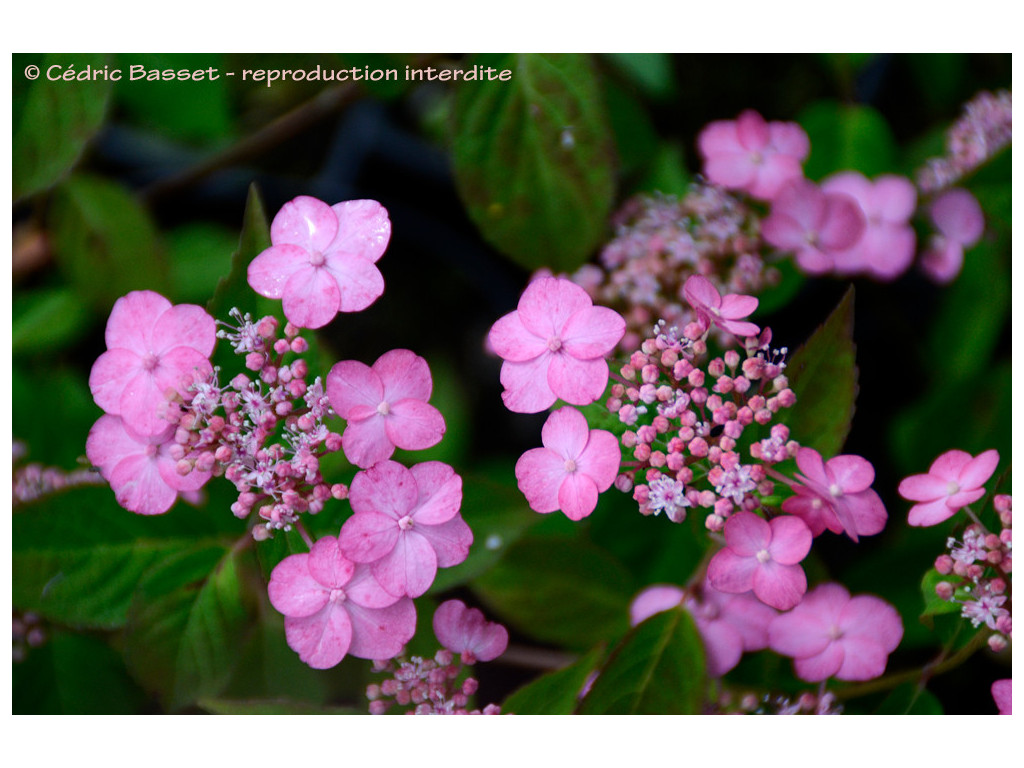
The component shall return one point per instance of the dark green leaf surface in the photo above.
(46, 319)
(233, 289)
(556, 693)
(909, 699)
(847, 137)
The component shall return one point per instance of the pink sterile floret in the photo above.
(574, 466)
(953, 481)
(139, 468)
(406, 524)
(151, 346)
(763, 555)
(385, 406)
(960, 221)
(753, 155)
(887, 246)
(322, 259)
(831, 634)
(1002, 693)
(554, 346)
(464, 631)
(836, 495)
(814, 224)
(333, 607)
(727, 311)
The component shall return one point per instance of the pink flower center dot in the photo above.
(316, 259)
(953, 488)
(338, 595)
(405, 523)
(151, 450)
(763, 556)
(384, 409)
(150, 361)
(570, 465)
(835, 491)
(554, 343)
(835, 632)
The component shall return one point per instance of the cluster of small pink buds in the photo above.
(34, 481)
(427, 686)
(686, 414)
(985, 128)
(660, 241)
(27, 631)
(979, 567)
(823, 703)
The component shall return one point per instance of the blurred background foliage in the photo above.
(128, 185)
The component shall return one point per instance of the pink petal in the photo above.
(381, 633)
(949, 465)
(177, 363)
(801, 633)
(292, 589)
(814, 261)
(548, 302)
(311, 297)
(364, 229)
(861, 661)
(185, 325)
(852, 183)
(451, 540)
(365, 591)
(526, 385)
(783, 231)
(351, 383)
(809, 507)
(962, 499)
(409, 568)
(306, 222)
(168, 469)
(387, 488)
(600, 459)
(810, 463)
(652, 600)
(791, 539)
(867, 618)
(366, 442)
(851, 473)
(722, 645)
(814, 669)
(108, 443)
(138, 486)
(566, 433)
(733, 170)
(718, 137)
(413, 425)
(750, 618)
(322, 639)
(893, 199)
(328, 565)
(930, 513)
(978, 470)
(110, 375)
(790, 139)
(510, 340)
(699, 291)
(958, 216)
(579, 382)
(577, 496)
(888, 250)
(775, 171)
(404, 374)
(728, 572)
(738, 328)
(942, 260)
(440, 492)
(359, 281)
(746, 534)
(141, 402)
(132, 319)
(866, 510)
(592, 332)
(269, 272)
(752, 131)
(780, 586)
(737, 306)
(803, 202)
(843, 222)
(461, 629)
(1002, 694)
(539, 473)
(923, 488)
(368, 536)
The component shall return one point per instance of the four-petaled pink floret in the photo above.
(554, 346)
(753, 155)
(831, 634)
(727, 312)
(406, 524)
(836, 495)
(333, 607)
(151, 346)
(574, 466)
(464, 631)
(323, 259)
(385, 406)
(763, 556)
(953, 481)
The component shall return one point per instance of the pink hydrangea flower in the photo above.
(831, 634)
(323, 259)
(333, 608)
(953, 481)
(753, 155)
(724, 311)
(464, 631)
(574, 466)
(763, 556)
(836, 495)
(729, 625)
(554, 346)
(139, 468)
(960, 221)
(406, 524)
(151, 346)
(1002, 693)
(814, 224)
(385, 406)
(886, 248)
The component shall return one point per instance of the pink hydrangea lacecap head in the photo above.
(323, 259)
(727, 312)
(464, 631)
(954, 480)
(151, 347)
(763, 556)
(886, 248)
(960, 221)
(836, 495)
(385, 406)
(813, 224)
(575, 465)
(139, 468)
(1002, 694)
(406, 524)
(831, 634)
(752, 155)
(554, 346)
(332, 608)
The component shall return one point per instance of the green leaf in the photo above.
(657, 669)
(200, 257)
(271, 707)
(57, 121)
(534, 157)
(233, 289)
(823, 374)
(186, 626)
(556, 693)
(559, 590)
(667, 171)
(933, 604)
(46, 319)
(105, 241)
(847, 137)
(909, 699)
(650, 72)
